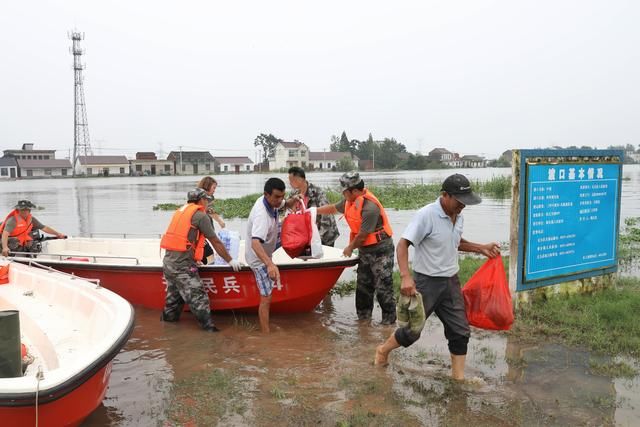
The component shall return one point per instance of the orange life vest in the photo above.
(22, 232)
(176, 238)
(353, 215)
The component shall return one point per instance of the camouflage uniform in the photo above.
(327, 226)
(184, 285)
(375, 274)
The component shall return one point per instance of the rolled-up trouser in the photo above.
(375, 272)
(443, 296)
(184, 286)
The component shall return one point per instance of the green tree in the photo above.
(365, 149)
(345, 164)
(343, 144)
(267, 143)
(387, 154)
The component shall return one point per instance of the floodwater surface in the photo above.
(316, 368)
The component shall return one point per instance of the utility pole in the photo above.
(81, 144)
(181, 160)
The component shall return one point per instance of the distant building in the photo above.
(44, 168)
(8, 168)
(27, 152)
(233, 164)
(192, 162)
(472, 161)
(440, 155)
(102, 166)
(327, 160)
(146, 163)
(287, 154)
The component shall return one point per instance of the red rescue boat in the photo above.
(132, 268)
(72, 330)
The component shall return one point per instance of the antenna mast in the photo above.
(81, 145)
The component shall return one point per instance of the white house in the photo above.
(445, 157)
(102, 166)
(8, 168)
(287, 154)
(44, 168)
(147, 163)
(471, 161)
(192, 162)
(233, 164)
(327, 160)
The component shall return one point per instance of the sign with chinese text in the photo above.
(570, 219)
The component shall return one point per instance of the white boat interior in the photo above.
(146, 252)
(66, 323)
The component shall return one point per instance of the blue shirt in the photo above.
(436, 240)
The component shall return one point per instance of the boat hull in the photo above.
(301, 288)
(68, 410)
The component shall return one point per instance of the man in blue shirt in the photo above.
(436, 235)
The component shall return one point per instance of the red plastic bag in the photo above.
(487, 299)
(296, 233)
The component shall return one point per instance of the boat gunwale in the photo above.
(48, 395)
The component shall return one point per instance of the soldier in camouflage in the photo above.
(313, 197)
(180, 266)
(371, 235)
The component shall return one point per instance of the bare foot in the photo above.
(381, 357)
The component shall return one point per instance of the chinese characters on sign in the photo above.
(571, 219)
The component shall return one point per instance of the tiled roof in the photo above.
(102, 160)
(50, 163)
(190, 156)
(294, 144)
(233, 160)
(8, 161)
(318, 156)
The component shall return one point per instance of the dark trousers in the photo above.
(375, 277)
(443, 296)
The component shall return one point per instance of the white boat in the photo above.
(72, 329)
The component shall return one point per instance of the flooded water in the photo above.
(315, 368)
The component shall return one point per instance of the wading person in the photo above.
(371, 235)
(260, 242)
(18, 227)
(436, 235)
(313, 196)
(184, 244)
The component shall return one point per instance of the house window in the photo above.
(46, 157)
(303, 153)
(4, 172)
(226, 168)
(184, 167)
(89, 171)
(138, 168)
(320, 165)
(47, 171)
(167, 168)
(121, 171)
(39, 157)
(29, 172)
(207, 166)
(248, 167)
(293, 153)
(64, 172)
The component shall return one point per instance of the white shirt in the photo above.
(262, 225)
(436, 240)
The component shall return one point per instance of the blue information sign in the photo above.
(571, 215)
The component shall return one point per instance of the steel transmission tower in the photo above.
(81, 145)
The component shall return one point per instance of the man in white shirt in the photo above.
(436, 234)
(261, 240)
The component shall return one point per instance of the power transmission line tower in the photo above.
(81, 145)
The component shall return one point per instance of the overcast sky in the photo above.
(476, 77)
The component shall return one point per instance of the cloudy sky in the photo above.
(474, 76)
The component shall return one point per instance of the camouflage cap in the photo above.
(197, 194)
(24, 204)
(349, 180)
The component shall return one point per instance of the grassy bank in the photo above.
(399, 197)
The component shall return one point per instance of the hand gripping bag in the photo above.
(316, 241)
(410, 313)
(487, 299)
(296, 232)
